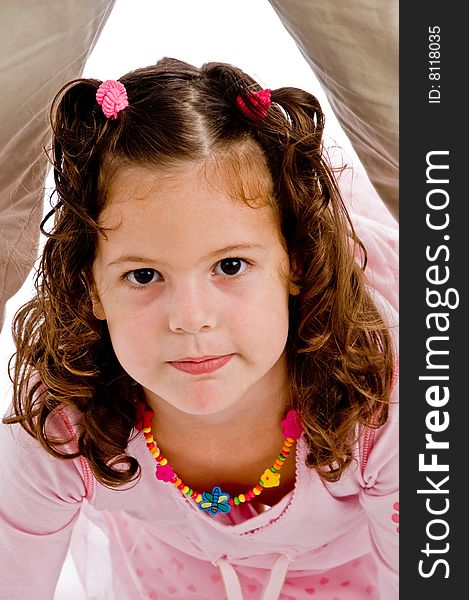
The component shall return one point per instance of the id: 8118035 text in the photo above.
(434, 73)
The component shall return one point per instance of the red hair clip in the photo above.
(112, 97)
(259, 104)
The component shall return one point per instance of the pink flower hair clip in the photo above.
(259, 104)
(112, 97)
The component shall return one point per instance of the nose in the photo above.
(191, 310)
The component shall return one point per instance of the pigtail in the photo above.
(338, 352)
(81, 135)
(77, 128)
(291, 136)
(57, 336)
(297, 121)
(80, 130)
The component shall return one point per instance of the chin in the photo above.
(202, 410)
(203, 404)
(201, 400)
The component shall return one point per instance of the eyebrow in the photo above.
(227, 249)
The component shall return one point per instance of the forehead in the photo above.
(194, 206)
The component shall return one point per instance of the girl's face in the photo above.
(194, 288)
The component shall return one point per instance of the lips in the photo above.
(201, 365)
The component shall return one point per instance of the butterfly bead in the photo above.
(215, 501)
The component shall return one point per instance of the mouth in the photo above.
(201, 364)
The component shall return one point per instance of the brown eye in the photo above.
(141, 277)
(231, 266)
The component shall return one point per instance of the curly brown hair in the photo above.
(339, 351)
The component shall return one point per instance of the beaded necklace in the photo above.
(217, 500)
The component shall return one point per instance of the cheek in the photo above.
(124, 341)
(262, 321)
(135, 354)
(134, 339)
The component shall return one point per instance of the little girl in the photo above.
(201, 311)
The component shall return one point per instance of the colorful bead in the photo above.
(217, 500)
(291, 425)
(164, 472)
(269, 479)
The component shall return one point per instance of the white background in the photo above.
(247, 33)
